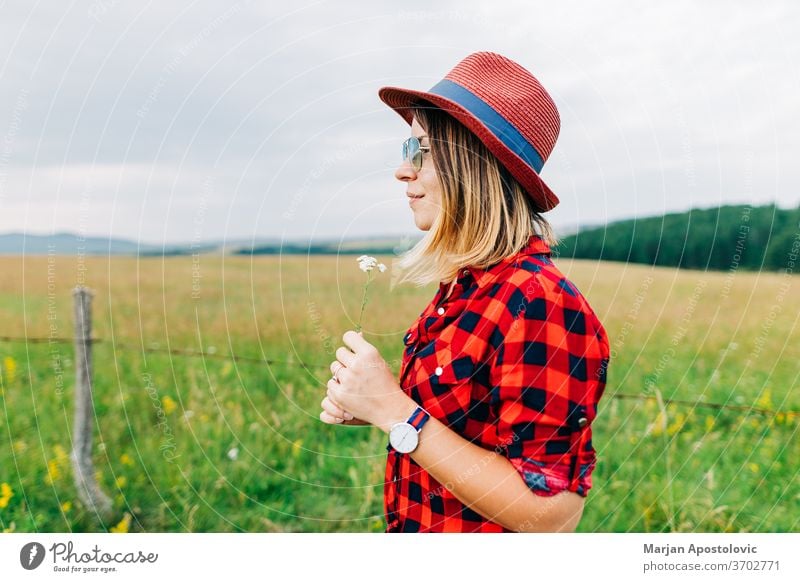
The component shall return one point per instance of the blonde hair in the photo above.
(486, 215)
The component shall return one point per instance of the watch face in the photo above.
(403, 437)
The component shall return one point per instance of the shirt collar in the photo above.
(535, 245)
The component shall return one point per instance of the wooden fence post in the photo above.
(83, 468)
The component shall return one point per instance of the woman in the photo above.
(490, 424)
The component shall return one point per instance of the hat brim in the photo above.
(401, 99)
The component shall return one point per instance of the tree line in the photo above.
(723, 238)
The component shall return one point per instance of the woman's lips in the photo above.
(413, 199)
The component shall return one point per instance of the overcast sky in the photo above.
(193, 121)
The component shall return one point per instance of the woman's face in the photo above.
(423, 183)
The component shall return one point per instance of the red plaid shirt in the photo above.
(514, 361)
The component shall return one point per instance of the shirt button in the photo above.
(439, 370)
(440, 311)
(582, 422)
(465, 272)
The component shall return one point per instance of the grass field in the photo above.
(242, 448)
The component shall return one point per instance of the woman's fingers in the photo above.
(344, 413)
(334, 410)
(327, 418)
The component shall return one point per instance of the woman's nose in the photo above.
(405, 172)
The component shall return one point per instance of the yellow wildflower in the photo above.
(126, 459)
(680, 420)
(66, 506)
(709, 423)
(53, 472)
(297, 446)
(11, 369)
(56, 464)
(123, 526)
(6, 493)
(766, 399)
(753, 467)
(169, 404)
(121, 481)
(61, 454)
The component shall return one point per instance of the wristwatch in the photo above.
(404, 436)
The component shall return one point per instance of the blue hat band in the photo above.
(496, 123)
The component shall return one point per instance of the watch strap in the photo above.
(418, 418)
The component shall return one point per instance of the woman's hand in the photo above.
(332, 413)
(366, 388)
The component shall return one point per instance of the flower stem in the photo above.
(363, 301)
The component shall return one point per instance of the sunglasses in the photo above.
(412, 151)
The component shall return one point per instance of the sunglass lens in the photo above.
(412, 153)
(416, 160)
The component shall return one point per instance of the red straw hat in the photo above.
(505, 106)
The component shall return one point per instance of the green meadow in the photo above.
(192, 442)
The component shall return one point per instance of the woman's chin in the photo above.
(421, 223)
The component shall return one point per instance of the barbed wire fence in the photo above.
(312, 367)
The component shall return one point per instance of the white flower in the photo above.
(366, 263)
(233, 454)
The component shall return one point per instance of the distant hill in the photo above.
(721, 238)
(366, 246)
(70, 243)
(67, 243)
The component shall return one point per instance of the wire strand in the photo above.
(192, 353)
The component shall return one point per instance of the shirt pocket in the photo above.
(446, 386)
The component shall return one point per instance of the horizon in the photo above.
(301, 239)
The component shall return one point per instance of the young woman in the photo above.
(489, 426)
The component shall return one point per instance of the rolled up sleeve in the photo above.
(546, 374)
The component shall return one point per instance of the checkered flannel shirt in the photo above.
(514, 361)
